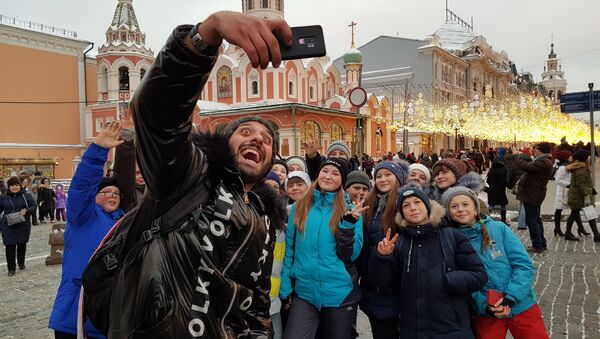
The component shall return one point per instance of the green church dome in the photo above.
(353, 56)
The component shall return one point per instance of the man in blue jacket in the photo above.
(93, 206)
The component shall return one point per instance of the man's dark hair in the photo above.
(544, 147)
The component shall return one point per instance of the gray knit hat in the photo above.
(296, 160)
(398, 167)
(358, 177)
(338, 145)
(456, 191)
(232, 126)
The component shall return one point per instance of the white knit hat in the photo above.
(300, 174)
(422, 168)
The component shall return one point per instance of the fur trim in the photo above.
(575, 165)
(219, 156)
(435, 218)
(471, 180)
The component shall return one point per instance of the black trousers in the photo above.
(304, 319)
(63, 335)
(385, 329)
(13, 251)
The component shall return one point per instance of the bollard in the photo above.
(56, 240)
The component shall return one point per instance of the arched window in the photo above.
(254, 83)
(265, 3)
(290, 88)
(250, 5)
(142, 73)
(278, 5)
(292, 84)
(551, 94)
(337, 133)
(224, 88)
(123, 78)
(310, 131)
(312, 89)
(103, 80)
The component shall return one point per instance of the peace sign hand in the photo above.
(386, 246)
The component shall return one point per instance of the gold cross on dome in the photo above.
(352, 24)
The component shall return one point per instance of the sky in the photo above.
(522, 28)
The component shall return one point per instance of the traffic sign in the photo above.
(358, 97)
(578, 102)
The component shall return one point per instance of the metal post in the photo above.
(359, 131)
(456, 140)
(593, 150)
(405, 121)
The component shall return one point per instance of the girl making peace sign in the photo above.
(323, 238)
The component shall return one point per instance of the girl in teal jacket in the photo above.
(507, 301)
(319, 280)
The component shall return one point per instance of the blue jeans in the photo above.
(521, 222)
(535, 225)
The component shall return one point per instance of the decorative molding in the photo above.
(5, 145)
(42, 41)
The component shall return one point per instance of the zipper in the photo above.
(228, 310)
(242, 245)
(409, 255)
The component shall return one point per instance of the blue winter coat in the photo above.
(438, 270)
(87, 224)
(507, 264)
(323, 270)
(379, 302)
(13, 202)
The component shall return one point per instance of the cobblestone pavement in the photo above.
(567, 284)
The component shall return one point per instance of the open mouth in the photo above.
(251, 154)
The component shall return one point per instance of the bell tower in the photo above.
(553, 78)
(352, 64)
(269, 9)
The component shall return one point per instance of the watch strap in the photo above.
(199, 42)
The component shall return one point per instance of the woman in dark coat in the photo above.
(496, 179)
(45, 200)
(15, 237)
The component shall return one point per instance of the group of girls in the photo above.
(418, 256)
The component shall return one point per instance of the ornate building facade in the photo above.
(553, 77)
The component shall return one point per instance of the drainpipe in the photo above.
(85, 73)
(295, 130)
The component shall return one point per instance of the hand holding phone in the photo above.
(307, 42)
(493, 297)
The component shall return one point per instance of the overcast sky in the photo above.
(522, 28)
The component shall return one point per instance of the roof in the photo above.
(455, 37)
(125, 16)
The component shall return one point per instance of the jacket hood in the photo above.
(435, 218)
(575, 165)
(219, 157)
(471, 180)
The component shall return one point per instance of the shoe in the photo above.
(535, 249)
(522, 227)
(21, 266)
(570, 236)
(35, 224)
(581, 230)
(11, 273)
(558, 232)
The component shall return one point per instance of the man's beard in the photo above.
(254, 177)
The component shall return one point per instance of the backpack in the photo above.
(100, 279)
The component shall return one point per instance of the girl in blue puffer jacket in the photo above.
(323, 238)
(507, 301)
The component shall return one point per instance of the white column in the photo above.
(134, 80)
(113, 84)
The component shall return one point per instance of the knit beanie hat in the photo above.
(232, 126)
(338, 145)
(412, 192)
(398, 167)
(358, 177)
(282, 163)
(563, 155)
(301, 175)
(341, 164)
(422, 168)
(13, 181)
(296, 160)
(581, 155)
(273, 176)
(108, 181)
(456, 191)
(456, 166)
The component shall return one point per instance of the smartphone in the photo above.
(307, 42)
(493, 296)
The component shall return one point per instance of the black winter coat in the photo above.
(212, 277)
(497, 180)
(18, 233)
(532, 186)
(438, 270)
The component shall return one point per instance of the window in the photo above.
(254, 87)
(291, 88)
(337, 133)
(254, 84)
(142, 73)
(250, 5)
(265, 3)
(278, 5)
(123, 78)
(311, 91)
(99, 122)
(310, 131)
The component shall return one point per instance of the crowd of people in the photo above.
(287, 248)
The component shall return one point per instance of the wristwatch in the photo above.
(200, 44)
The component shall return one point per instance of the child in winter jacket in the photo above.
(507, 301)
(61, 203)
(323, 238)
(435, 267)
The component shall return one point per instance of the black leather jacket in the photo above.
(212, 278)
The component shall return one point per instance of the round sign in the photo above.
(358, 96)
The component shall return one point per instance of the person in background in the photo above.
(419, 174)
(273, 180)
(280, 168)
(324, 236)
(562, 178)
(45, 200)
(93, 205)
(435, 267)
(34, 187)
(581, 194)
(496, 179)
(126, 171)
(452, 172)
(2, 186)
(381, 303)
(297, 184)
(337, 149)
(15, 237)
(61, 203)
(507, 301)
(357, 186)
(295, 163)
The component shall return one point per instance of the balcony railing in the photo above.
(37, 27)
